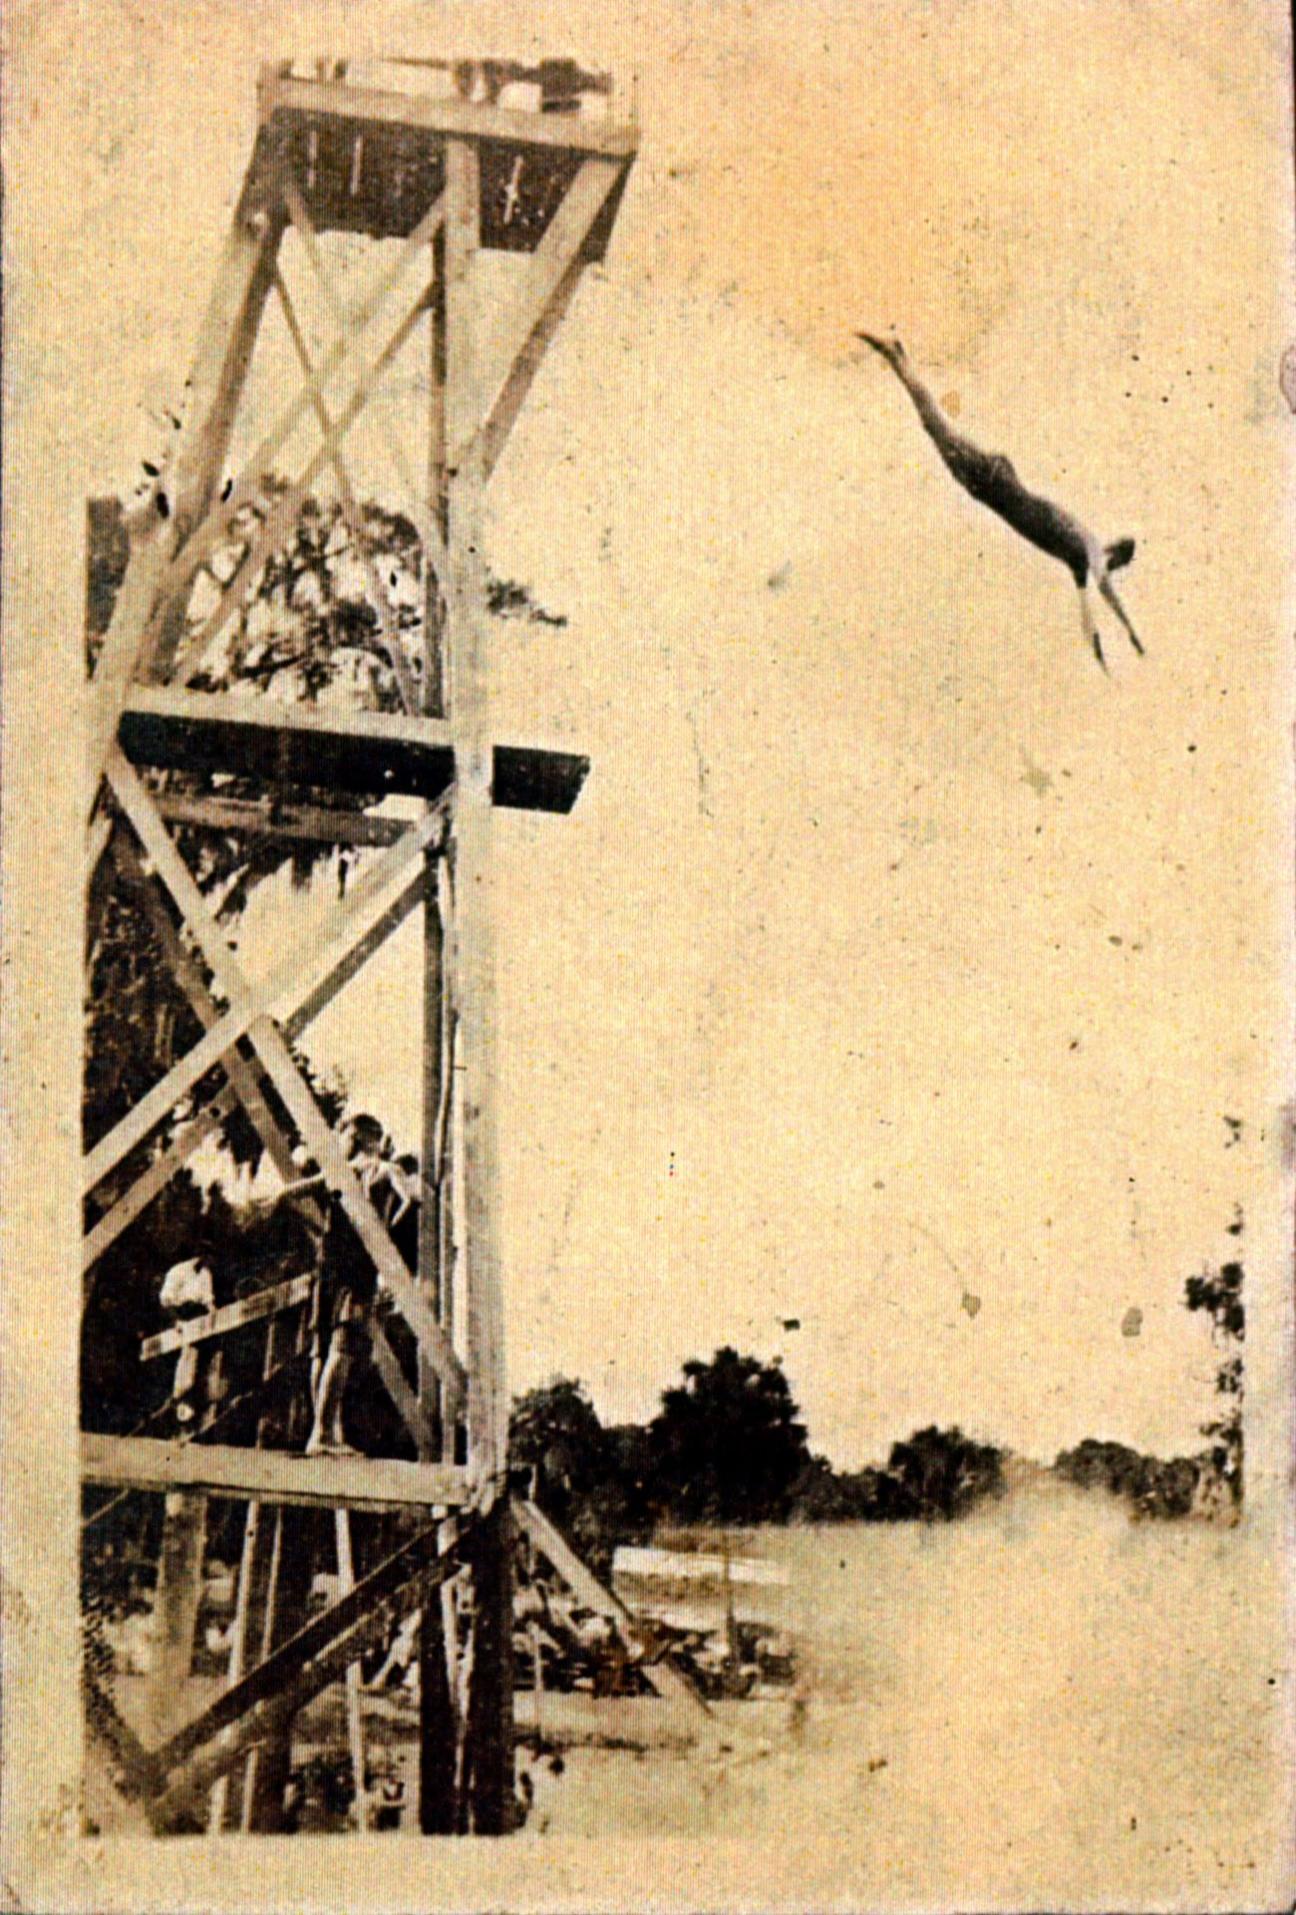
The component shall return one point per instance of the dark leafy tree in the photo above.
(1168, 1487)
(576, 1469)
(1218, 1294)
(1154, 1486)
(944, 1472)
(728, 1444)
(825, 1495)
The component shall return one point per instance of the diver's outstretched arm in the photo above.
(940, 429)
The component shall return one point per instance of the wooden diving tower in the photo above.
(449, 177)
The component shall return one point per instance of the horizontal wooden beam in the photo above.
(191, 1136)
(454, 118)
(271, 1476)
(231, 1316)
(361, 751)
(317, 823)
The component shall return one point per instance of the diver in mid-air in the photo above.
(992, 481)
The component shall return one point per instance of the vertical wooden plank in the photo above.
(175, 1609)
(354, 1712)
(435, 1065)
(490, 1734)
(437, 1804)
(434, 663)
(257, 1796)
(270, 1763)
(489, 1750)
(253, 1592)
(253, 1581)
(438, 1801)
(449, 1150)
(469, 711)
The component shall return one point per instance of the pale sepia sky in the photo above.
(893, 952)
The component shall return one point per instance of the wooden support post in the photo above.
(471, 838)
(178, 1591)
(435, 1065)
(489, 1780)
(537, 1678)
(270, 1760)
(256, 1566)
(438, 1802)
(354, 1711)
(434, 661)
(438, 1808)
(490, 1729)
(175, 1608)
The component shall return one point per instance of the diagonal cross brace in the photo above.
(215, 381)
(215, 528)
(556, 264)
(429, 532)
(290, 1676)
(277, 525)
(243, 1079)
(666, 1677)
(289, 983)
(192, 1135)
(281, 1067)
(159, 573)
(351, 511)
(245, 1085)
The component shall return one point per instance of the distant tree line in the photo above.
(1153, 1485)
(728, 1447)
(1212, 1478)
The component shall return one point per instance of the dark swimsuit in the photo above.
(992, 481)
(348, 1281)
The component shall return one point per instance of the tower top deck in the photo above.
(368, 145)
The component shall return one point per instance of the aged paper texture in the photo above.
(739, 556)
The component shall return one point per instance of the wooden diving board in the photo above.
(323, 746)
